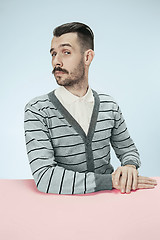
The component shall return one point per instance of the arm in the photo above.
(48, 176)
(127, 153)
(122, 143)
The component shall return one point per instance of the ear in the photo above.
(88, 56)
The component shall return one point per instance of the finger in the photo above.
(117, 177)
(123, 181)
(129, 182)
(145, 186)
(146, 180)
(135, 180)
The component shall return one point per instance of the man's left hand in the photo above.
(128, 175)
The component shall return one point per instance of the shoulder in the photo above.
(107, 100)
(104, 96)
(38, 102)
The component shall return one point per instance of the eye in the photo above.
(67, 52)
(53, 54)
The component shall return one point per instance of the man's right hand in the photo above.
(142, 182)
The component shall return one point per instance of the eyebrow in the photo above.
(62, 45)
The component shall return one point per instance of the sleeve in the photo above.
(122, 142)
(48, 176)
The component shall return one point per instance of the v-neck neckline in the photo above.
(72, 121)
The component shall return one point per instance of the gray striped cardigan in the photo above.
(63, 159)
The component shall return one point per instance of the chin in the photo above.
(64, 82)
(61, 83)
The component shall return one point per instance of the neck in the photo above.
(78, 90)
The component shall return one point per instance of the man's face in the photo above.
(67, 59)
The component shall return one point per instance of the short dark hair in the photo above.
(84, 33)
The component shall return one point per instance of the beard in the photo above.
(74, 77)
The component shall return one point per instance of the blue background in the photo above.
(126, 66)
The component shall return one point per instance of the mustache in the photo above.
(59, 69)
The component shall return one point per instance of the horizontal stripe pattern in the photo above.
(57, 152)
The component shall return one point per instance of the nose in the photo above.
(57, 61)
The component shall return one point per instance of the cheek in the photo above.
(52, 62)
(71, 63)
(74, 59)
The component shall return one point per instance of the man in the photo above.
(68, 131)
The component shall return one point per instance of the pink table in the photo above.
(27, 214)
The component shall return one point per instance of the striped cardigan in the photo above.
(63, 159)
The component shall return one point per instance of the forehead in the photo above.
(69, 38)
